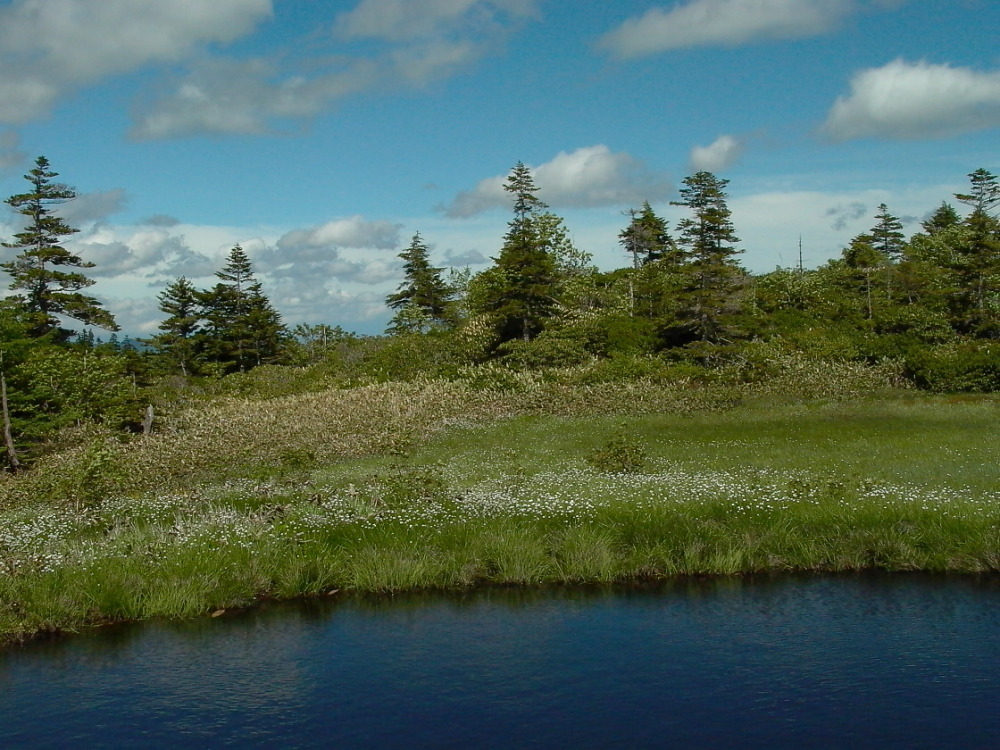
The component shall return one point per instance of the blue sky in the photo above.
(322, 135)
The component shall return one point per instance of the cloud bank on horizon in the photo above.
(370, 100)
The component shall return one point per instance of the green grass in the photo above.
(898, 483)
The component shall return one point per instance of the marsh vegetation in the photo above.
(389, 487)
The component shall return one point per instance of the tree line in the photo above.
(933, 295)
(930, 301)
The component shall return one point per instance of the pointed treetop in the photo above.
(887, 235)
(522, 185)
(984, 193)
(944, 217)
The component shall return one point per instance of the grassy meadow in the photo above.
(393, 486)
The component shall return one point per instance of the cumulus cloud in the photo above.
(338, 250)
(915, 101)
(354, 231)
(722, 153)
(307, 270)
(49, 49)
(151, 253)
(136, 315)
(329, 303)
(702, 23)
(585, 178)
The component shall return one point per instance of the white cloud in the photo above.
(400, 20)
(420, 64)
(137, 316)
(915, 101)
(465, 258)
(331, 303)
(414, 43)
(588, 177)
(354, 231)
(722, 153)
(339, 250)
(245, 96)
(53, 47)
(149, 253)
(702, 23)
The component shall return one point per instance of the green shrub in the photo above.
(968, 366)
(621, 453)
(547, 350)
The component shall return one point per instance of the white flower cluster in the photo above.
(244, 515)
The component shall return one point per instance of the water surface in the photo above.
(861, 661)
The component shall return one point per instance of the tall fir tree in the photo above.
(421, 302)
(709, 240)
(522, 296)
(178, 342)
(39, 268)
(242, 329)
(887, 234)
(863, 260)
(978, 259)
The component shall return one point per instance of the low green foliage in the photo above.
(492, 488)
(621, 453)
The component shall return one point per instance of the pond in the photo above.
(790, 661)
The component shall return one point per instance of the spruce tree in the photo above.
(646, 237)
(887, 235)
(863, 259)
(944, 217)
(709, 243)
(242, 329)
(39, 268)
(180, 328)
(422, 300)
(978, 259)
(523, 297)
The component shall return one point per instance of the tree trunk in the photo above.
(8, 439)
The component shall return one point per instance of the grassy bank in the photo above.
(487, 487)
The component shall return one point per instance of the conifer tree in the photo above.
(180, 328)
(887, 235)
(525, 273)
(40, 266)
(978, 259)
(944, 217)
(709, 242)
(863, 259)
(421, 301)
(646, 237)
(242, 329)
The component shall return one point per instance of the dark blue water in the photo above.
(867, 661)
